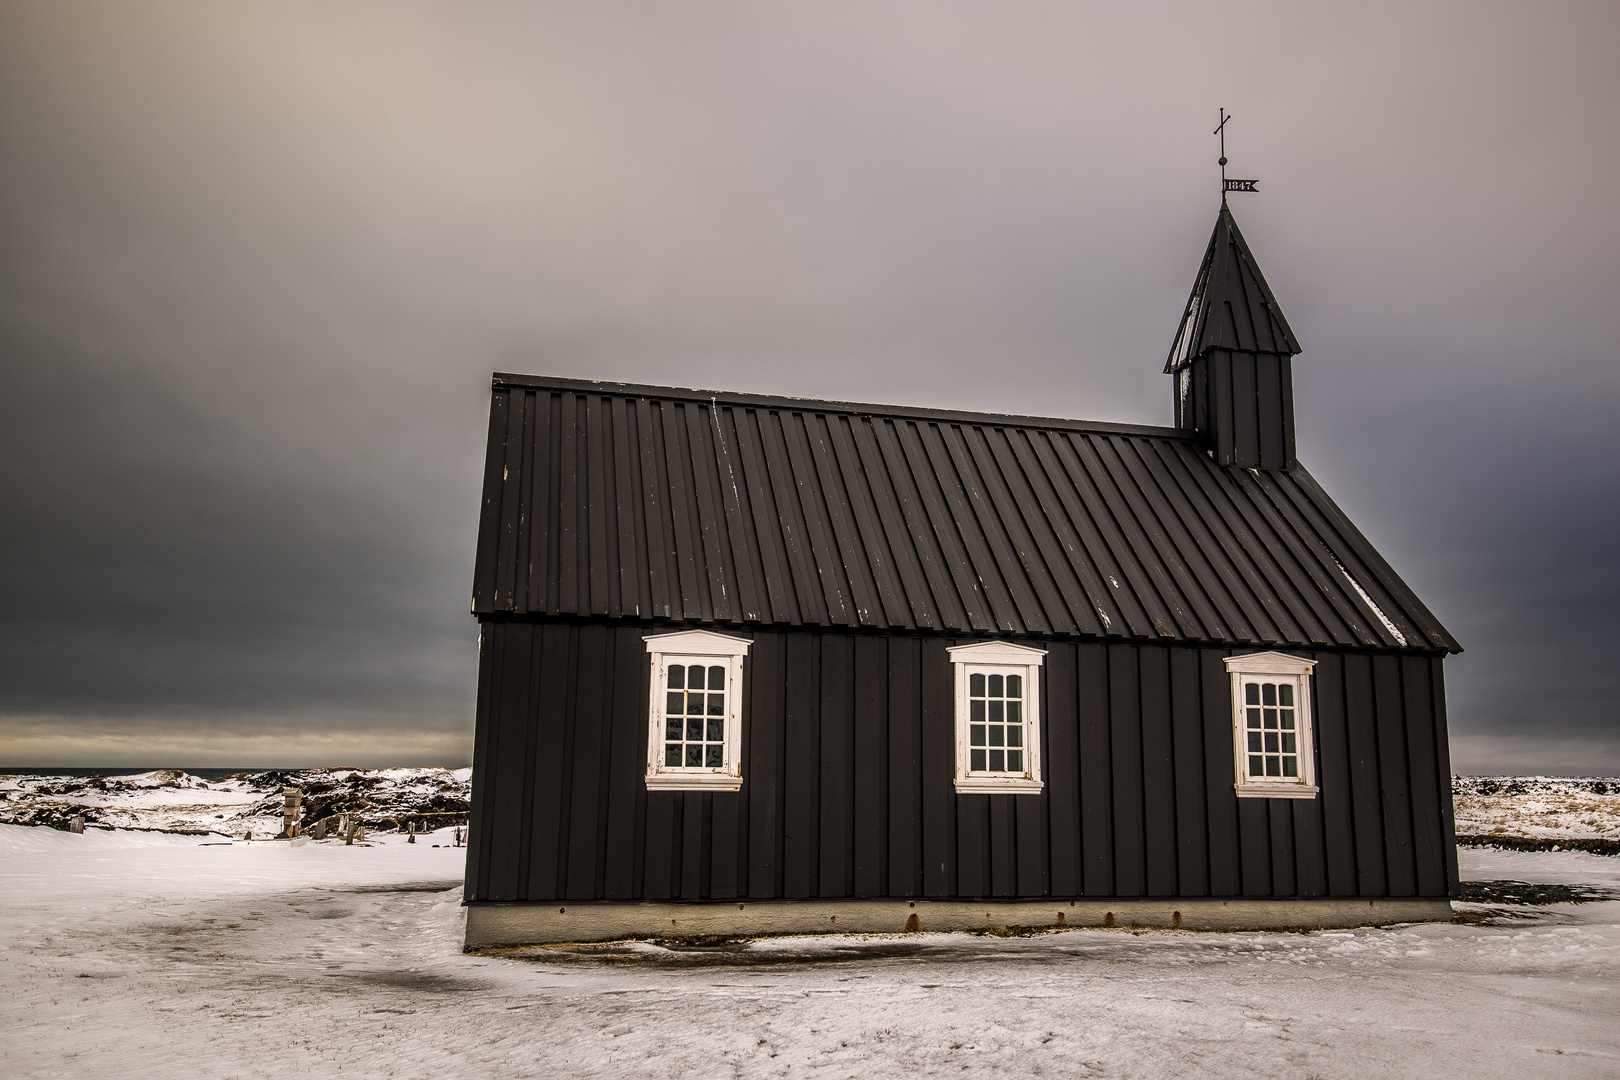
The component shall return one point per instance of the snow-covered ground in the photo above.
(133, 955)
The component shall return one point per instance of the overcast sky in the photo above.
(257, 263)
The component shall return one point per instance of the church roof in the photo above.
(1231, 306)
(691, 507)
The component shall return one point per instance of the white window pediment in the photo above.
(700, 642)
(1270, 663)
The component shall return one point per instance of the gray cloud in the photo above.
(256, 264)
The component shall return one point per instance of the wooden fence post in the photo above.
(290, 800)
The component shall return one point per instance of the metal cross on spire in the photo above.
(1230, 185)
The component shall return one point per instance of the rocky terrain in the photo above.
(245, 803)
(1536, 813)
(1517, 811)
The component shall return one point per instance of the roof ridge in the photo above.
(512, 380)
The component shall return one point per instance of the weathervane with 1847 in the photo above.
(1230, 185)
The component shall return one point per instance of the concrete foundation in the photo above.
(491, 925)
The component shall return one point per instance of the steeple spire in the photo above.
(1232, 358)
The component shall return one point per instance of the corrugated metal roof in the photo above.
(1231, 306)
(605, 499)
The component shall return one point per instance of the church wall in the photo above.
(847, 779)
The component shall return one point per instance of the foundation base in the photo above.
(493, 925)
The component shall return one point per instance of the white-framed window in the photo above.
(998, 722)
(694, 732)
(1273, 752)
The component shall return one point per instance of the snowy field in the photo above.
(149, 955)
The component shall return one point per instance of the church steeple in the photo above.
(1232, 358)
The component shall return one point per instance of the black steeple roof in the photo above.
(1231, 306)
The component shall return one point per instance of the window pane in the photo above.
(694, 756)
(1288, 743)
(976, 685)
(1256, 765)
(1015, 735)
(1015, 712)
(717, 704)
(1254, 718)
(694, 728)
(717, 678)
(1290, 766)
(717, 729)
(1285, 693)
(672, 728)
(1015, 686)
(1251, 694)
(995, 712)
(1271, 718)
(677, 676)
(711, 757)
(1268, 693)
(996, 732)
(976, 735)
(998, 761)
(976, 761)
(674, 703)
(995, 686)
(1271, 767)
(976, 710)
(1287, 719)
(1015, 761)
(1254, 741)
(694, 677)
(1271, 742)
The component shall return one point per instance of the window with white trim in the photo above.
(694, 734)
(1273, 755)
(998, 724)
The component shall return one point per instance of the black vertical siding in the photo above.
(626, 829)
(1222, 823)
(938, 805)
(1061, 756)
(764, 762)
(1187, 738)
(905, 767)
(848, 760)
(869, 772)
(1096, 773)
(1158, 773)
(836, 796)
(1448, 823)
(801, 826)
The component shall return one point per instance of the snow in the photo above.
(1376, 610)
(149, 955)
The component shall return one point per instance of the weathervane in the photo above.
(1230, 185)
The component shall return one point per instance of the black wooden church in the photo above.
(756, 664)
